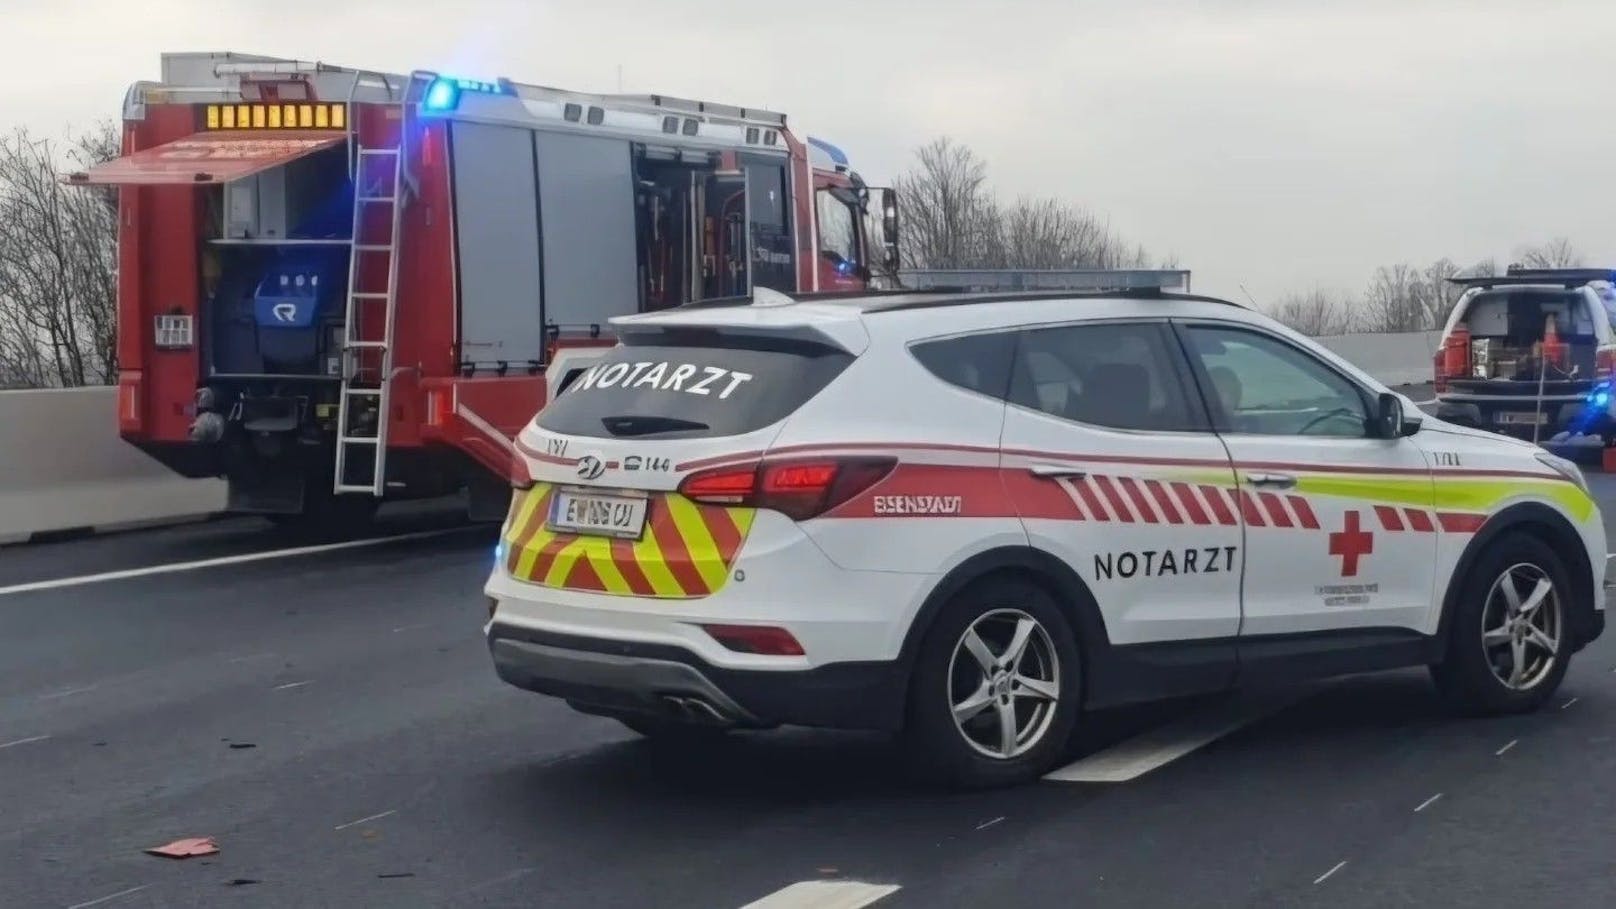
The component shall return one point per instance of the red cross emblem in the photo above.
(1350, 544)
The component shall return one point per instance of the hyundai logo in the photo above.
(590, 467)
(285, 312)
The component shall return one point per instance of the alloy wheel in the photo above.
(1004, 683)
(1521, 626)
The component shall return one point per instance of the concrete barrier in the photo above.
(1400, 358)
(65, 469)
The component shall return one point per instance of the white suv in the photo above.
(972, 517)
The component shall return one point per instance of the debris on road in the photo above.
(237, 746)
(242, 882)
(186, 848)
(396, 874)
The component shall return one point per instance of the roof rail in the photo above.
(1520, 277)
(926, 299)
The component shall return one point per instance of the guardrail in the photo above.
(1393, 358)
(65, 469)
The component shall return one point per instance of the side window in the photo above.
(1267, 387)
(979, 363)
(1118, 375)
(836, 237)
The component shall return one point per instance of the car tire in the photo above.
(953, 676)
(1489, 636)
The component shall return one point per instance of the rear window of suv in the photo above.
(708, 386)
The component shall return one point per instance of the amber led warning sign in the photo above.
(276, 115)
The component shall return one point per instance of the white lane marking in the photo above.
(66, 693)
(1143, 753)
(1427, 803)
(290, 685)
(825, 895)
(1326, 875)
(1569, 703)
(225, 560)
(1500, 752)
(989, 823)
(412, 627)
(365, 820)
(502, 879)
(109, 898)
(37, 738)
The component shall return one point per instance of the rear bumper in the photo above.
(1487, 412)
(664, 680)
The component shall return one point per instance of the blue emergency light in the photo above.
(443, 94)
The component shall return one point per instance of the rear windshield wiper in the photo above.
(644, 426)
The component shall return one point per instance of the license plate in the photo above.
(1527, 418)
(597, 514)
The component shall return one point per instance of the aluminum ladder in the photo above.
(367, 350)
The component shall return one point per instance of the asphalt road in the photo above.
(331, 719)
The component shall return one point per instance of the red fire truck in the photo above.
(337, 286)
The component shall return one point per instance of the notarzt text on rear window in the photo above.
(664, 376)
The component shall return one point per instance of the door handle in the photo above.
(1058, 471)
(1273, 480)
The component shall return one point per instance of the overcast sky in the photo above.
(1279, 144)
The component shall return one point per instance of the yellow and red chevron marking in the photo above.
(686, 552)
(1128, 500)
(1131, 500)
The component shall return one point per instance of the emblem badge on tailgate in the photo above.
(590, 467)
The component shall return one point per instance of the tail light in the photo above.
(800, 489)
(1604, 362)
(763, 639)
(1453, 359)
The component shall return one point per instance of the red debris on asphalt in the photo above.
(187, 848)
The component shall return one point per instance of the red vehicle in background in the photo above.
(338, 286)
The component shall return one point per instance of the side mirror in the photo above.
(1390, 420)
(889, 228)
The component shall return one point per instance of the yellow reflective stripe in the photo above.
(1481, 496)
(522, 512)
(1411, 491)
(598, 550)
(564, 560)
(743, 525)
(699, 542)
(655, 566)
(530, 554)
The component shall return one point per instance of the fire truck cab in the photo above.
(337, 286)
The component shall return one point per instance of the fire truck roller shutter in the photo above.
(497, 226)
(590, 264)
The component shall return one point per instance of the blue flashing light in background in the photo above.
(1600, 397)
(442, 94)
(499, 553)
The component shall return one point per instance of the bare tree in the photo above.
(949, 218)
(1317, 313)
(1394, 299)
(1557, 253)
(952, 220)
(58, 260)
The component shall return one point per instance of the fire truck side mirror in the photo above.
(889, 227)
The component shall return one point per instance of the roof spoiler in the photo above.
(1518, 277)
